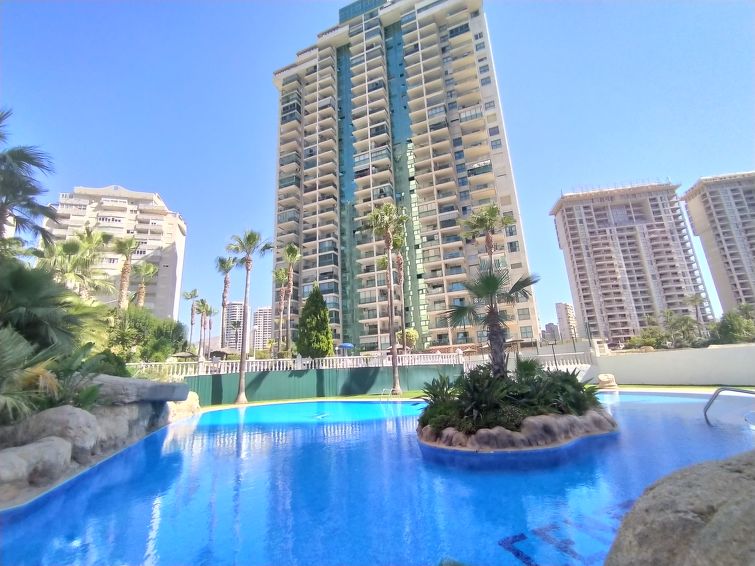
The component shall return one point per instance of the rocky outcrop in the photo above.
(536, 431)
(54, 443)
(694, 517)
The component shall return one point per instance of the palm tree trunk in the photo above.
(497, 343)
(289, 292)
(123, 288)
(4, 215)
(391, 331)
(223, 307)
(209, 335)
(281, 304)
(141, 293)
(489, 249)
(241, 397)
(191, 327)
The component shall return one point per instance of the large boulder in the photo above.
(697, 516)
(36, 463)
(119, 425)
(76, 425)
(177, 410)
(124, 390)
(541, 430)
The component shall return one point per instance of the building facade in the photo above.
(398, 103)
(721, 210)
(233, 325)
(567, 321)
(123, 213)
(552, 333)
(262, 327)
(629, 258)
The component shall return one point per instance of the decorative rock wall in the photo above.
(58, 442)
(537, 431)
(697, 516)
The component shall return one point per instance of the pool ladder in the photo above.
(715, 395)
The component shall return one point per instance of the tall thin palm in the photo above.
(191, 296)
(202, 307)
(236, 327)
(696, 301)
(224, 265)
(19, 189)
(245, 247)
(145, 272)
(485, 223)
(485, 292)
(389, 222)
(292, 256)
(125, 247)
(280, 278)
(398, 259)
(211, 312)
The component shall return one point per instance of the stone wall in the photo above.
(58, 442)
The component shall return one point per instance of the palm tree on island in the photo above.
(280, 278)
(244, 247)
(292, 256)
(389, 223)
(224, 265)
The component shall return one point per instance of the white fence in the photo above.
(179, 370)
(567, 361)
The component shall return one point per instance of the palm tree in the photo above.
(19, 189)
(125, 247)
(485, 223)
(280, 278)
(486, 291)
(202, 307)
(399, 261)
(746, 310)
(146, 272)
(191, 296)
(236, 326)
(211, 312)
(245, 247)
(696, 300)
(389, 222)
(73, 264)
(224, 265)
(292, 256)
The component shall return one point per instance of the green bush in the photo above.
(110, 364)
(480, 400)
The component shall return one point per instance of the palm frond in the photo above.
(462, 315)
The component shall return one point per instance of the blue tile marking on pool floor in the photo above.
(551, 535)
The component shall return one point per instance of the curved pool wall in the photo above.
(345, 483)
(220, 389)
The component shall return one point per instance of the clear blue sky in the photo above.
(177, 97)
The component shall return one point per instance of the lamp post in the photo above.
(553, 349)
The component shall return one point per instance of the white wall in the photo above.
(717, 365)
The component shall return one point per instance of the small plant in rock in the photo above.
(440, 390)
(70, 380)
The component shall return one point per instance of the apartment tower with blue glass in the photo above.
(397, 103)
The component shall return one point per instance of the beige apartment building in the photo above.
(628, 256)
(721, 210)
(123, 213)
(398, 103)
(567, 321)
(263, 327)
(233, 325)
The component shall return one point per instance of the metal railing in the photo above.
(717, 392)
(181, 370)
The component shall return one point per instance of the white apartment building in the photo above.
(123, 213)
(263, 327)
(233, 325)
(567, 321)
(628, 256)
(398, 103)
(721, 210)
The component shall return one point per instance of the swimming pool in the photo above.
(345, 483)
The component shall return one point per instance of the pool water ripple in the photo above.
(344, 483)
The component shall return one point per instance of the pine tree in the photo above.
(315, 338)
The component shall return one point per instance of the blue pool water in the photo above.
(345, 484)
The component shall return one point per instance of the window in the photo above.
(482, 59)
(510, 230)
(495, 144)
(457, 142)
(449, 82)
(494, 131)
(452, 105)
(484, 69)
(463, 181)
(479, 46)
(485, 81)
(458, 155)
(525, 332)
(463, 195)
(513, 247)
(523, 314)
(489, 105)
(478, 36)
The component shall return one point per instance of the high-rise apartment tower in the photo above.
(398, 103)
(122, 213)
(629, 258)
(263, 327)
(233, 325)
(567, 321)
(722, 212)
